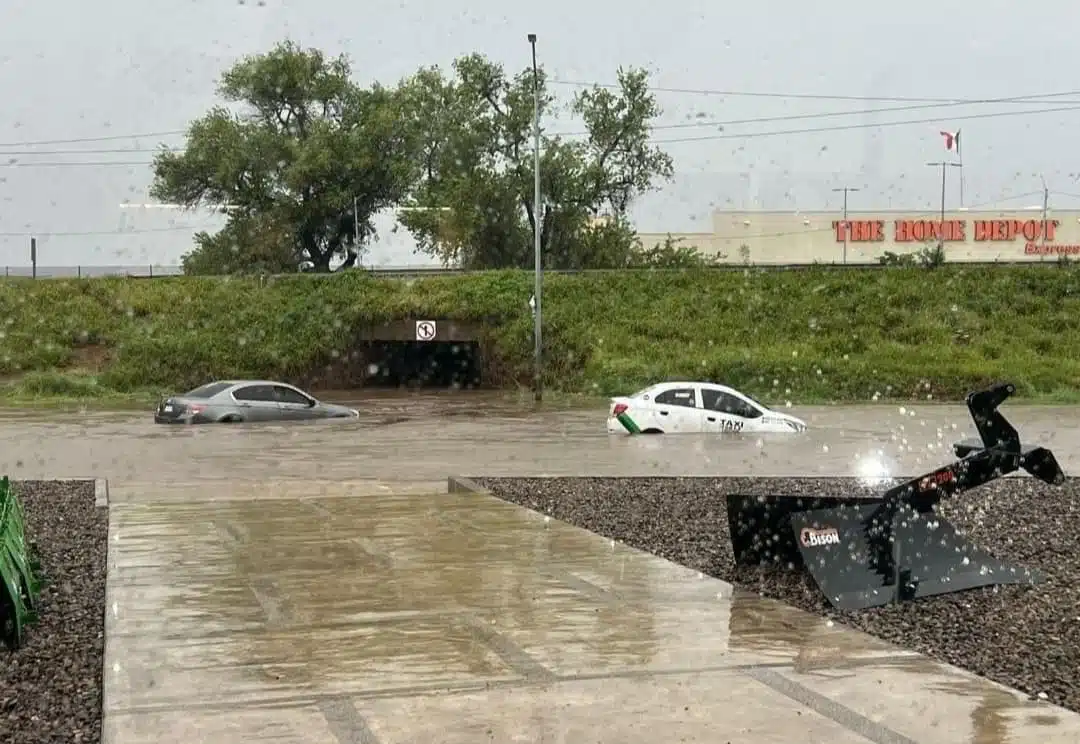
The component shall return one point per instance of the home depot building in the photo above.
(825, 237)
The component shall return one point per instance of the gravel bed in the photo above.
(50, 689)
(1024, 637)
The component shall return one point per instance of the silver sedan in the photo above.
(236, 401)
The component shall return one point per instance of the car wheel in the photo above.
(230, 419)
(652, 431)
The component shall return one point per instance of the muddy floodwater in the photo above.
(426, 436)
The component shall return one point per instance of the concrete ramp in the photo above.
(372, 612)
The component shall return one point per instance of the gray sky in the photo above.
(71, 69)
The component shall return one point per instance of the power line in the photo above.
(918, 102)
(89, 233)
(676, 140)
(798, 96)
(689, 125)
(828, 115)
(78, 140)
(75, 164)
(4, 153)
(861, 125)
(914, 104)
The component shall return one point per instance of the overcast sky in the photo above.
(71, 69)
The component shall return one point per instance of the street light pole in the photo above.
(355, 224)
(537, 213)
(943, 165)
(356, 232)
(1045, 214)
(845, 189)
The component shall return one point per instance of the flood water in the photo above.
(413, 436)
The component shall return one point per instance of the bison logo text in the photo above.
(814, 538)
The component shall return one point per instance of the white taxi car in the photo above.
(695, 408)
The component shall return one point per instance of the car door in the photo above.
(677, 410)
(725, 412)
(256, 403)
(293, 404)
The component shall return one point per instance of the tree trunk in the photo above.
(320, 261)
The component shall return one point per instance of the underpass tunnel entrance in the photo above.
(444, 364)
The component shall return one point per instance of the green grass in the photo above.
(70, 390)
(808, 336)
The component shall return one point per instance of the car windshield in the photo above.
(207, 391)
(758, 403)
(642, 392)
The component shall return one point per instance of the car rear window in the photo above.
(207, 391)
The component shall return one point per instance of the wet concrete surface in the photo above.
(349, 613)
(427, 437)
(315, 583)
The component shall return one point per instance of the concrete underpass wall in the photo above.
(411, 330)
(413, 353)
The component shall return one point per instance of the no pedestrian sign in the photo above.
(425, 330)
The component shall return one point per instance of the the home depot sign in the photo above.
(1038, 235)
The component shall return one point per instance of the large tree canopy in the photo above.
(472, 202)
(302, 156)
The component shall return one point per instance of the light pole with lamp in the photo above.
(537, 213)
(847, 227)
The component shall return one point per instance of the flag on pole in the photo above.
(952, 140)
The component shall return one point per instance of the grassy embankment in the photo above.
(805, 336)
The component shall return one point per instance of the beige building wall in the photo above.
(762, 237)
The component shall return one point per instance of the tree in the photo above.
(246, 245)
(474, 187)
(671, 254)
(303, 158)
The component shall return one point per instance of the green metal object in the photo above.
(628, 423)
(18, 584)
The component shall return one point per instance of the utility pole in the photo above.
(537, 215)
(943, 165)
(845, 189)
(356, 229)
(1046, 211)
(33, 258)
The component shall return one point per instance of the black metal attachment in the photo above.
(870, 551)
